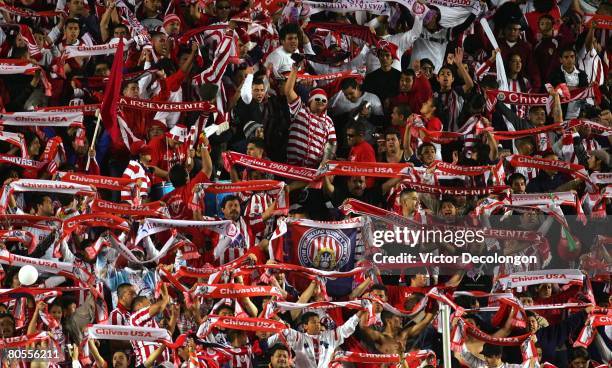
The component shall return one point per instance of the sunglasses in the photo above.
(223, 7)
(350, 135)
(322, 100)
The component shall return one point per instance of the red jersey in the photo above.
(179, 199)
(163, 156)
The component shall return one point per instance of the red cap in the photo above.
(317, 92)
(160, 124)
(172, 18)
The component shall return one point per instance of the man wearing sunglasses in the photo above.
(312, 136)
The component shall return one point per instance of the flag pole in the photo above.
(93, 139)
(446, 335)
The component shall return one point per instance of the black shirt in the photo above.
(373, 195)
(382, 84)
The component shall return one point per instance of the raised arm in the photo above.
(214, 73)
(506, 329)
(186, 67)
(557, 111)
(304, 298)
(369, 333)
(463, 73)
(150, 362)
(105, 21)
(417, 328)
(290, 84)
(406, 141)
(362, 288)
(161, 304)
(93, 351)
(34, 321)
(175, 312)
(207, 165)
(493, 150)
(389, 184)
(328, 186)
(329, 151)
(248, 305)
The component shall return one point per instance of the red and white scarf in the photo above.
(535, 99)
(22, 162)
(36, 185)
(276, 189)
(26, 238)
(283, 170)
(240, 323)
(98, 181)
(42, 118)
(150, 209)
(87, 50)
(374, 7)
(599, 20)
(587, 334)
(15, 139)
(233, 291)
(153, 226)
(371, 169)
(54, 154)
(522, 279)
(24, 340)
(413, 359)
(128, 333)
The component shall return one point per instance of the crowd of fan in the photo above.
(426, 75)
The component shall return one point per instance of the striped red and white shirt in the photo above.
(515, 86)
(144, 349)
(308, 134)
(119, 316)
(136, 171)
(255, 205)
(227, 250)
(592, 65)
(214, 72)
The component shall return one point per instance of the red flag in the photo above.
(110, 103)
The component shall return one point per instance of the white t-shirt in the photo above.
(431, 46)
(281, 60)
(404, 41)
(339, 104)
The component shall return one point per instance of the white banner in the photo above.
(42, 118)
(564, 276)
(153, 226)
(128, 333)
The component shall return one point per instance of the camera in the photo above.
(298, 58)
(364, 104)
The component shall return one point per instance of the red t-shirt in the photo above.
(533, 20)
(179, 199)
(363, 152)
(163, 156)
(416, 97)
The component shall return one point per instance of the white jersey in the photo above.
(404, 41)
(431, 46)
(316, 351)
(592, 65)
